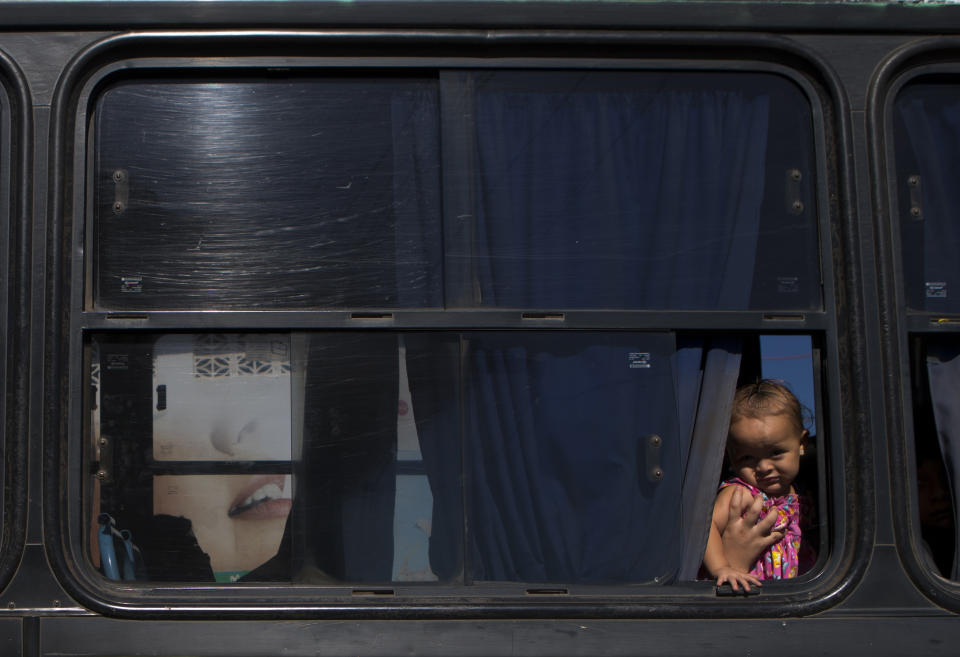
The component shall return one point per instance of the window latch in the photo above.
(916, 202)
(121, 191)
(653, 447)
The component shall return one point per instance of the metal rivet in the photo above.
(101, 474)
(913, 180)
(657, 473)
(655, 440)
(914, 211)
(119, 175)
(118, 207)
(798, 206)
(795, 174)
(11, 605)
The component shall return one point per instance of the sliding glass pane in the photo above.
(371, 458)
(588, 189)
(596, 189)
(293, 193)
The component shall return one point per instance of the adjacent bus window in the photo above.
(927, 135)
(926, 129)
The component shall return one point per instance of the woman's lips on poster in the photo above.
(267, 496)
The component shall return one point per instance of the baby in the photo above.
(764, 447)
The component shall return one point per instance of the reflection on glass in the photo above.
(238, 520)
(543, 457)
(222, 397)
(268, 193)
(175, 420)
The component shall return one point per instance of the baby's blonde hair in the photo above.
(767, 397)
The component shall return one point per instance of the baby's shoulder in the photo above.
(726, 491)
(736, 482)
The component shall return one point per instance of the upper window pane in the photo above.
(638, 190)
(927, 138)
(591, 189)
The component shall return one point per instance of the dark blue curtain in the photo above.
(346, 473)
(594, 192)
(572, 457)
(927, 120)
(558, 460)
(434, 371)
(585, 195)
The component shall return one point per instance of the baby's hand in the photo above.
(736, 578)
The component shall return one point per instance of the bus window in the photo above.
(925, 119)
(466, 368)
(927, 135)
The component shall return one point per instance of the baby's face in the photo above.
(765, 452)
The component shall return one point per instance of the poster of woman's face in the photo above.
(225, 398)
(222, 398)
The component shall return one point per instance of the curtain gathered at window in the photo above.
(707, 373)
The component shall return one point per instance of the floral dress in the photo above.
(781, 560)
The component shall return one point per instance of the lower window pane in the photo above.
(373, 458)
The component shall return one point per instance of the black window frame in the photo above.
(69, 321)
(16, 239)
